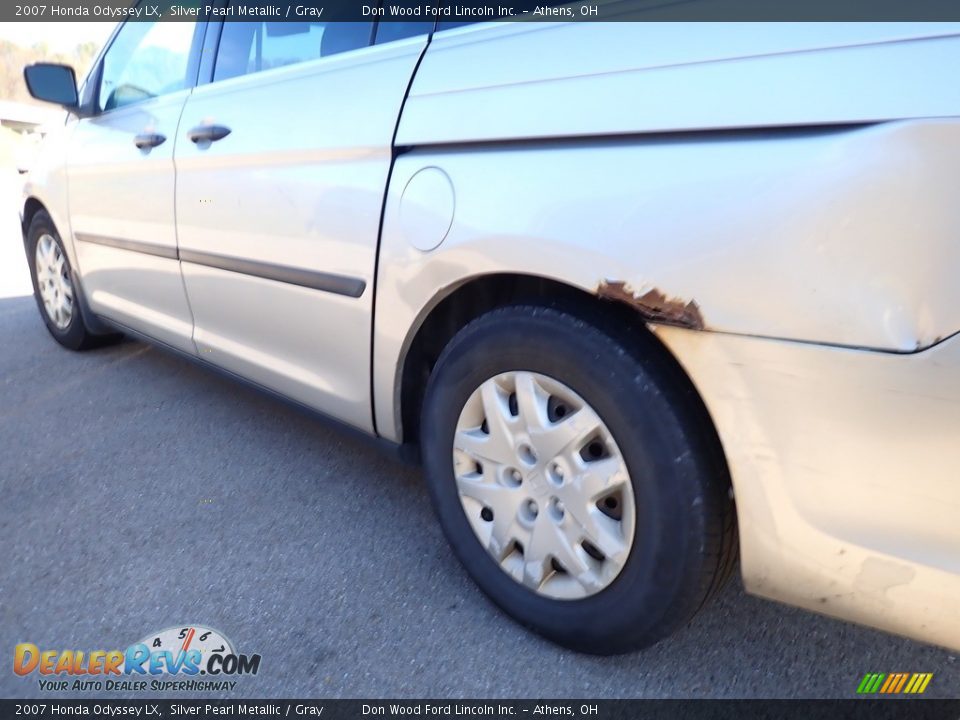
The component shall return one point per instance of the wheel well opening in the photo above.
(30, 208)
(479, 296)
(466, 303)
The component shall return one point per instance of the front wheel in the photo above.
(574, 480)
(55, 289)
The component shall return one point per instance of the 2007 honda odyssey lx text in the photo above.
(601, 278)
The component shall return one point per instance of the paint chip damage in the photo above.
(654, 305)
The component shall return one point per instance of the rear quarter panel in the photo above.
(796, 184)
(842, 236)
(500, 81)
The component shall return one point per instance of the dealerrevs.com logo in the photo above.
(183, 658)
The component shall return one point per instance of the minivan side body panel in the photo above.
(795, 198)
(776, 202)
(121, 203)
(527, 80)
(278, 222)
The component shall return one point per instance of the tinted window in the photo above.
(454, 24)
(521, 8)
(390, 31)
(145, 60)
(249, 47)
(403, 19)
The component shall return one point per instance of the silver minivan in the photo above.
(635, 294)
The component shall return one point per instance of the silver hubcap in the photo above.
(53, 279)
(544, 485)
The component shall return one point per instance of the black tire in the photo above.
(76, 335)
(684, 546)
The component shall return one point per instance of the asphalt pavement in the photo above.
(140, 492)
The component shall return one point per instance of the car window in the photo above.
(401, 29)
(250, 47)
(146, 59)
(416, 20)
(524, 9)
(451, 24)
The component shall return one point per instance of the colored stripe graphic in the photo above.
(918, 683)
(903, 681)
(870, 683)
(894, 683)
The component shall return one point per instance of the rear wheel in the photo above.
(574, 480)
(55, 289)
(544, 485)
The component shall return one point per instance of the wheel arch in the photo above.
(31, 207)
(453, 309)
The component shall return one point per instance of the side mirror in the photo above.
(53, 83)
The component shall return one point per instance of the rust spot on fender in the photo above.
(654, 305)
